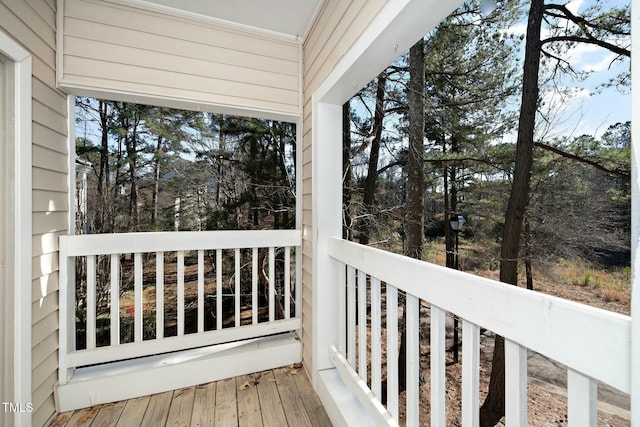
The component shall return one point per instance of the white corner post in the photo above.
(635, 215)
(16, 308)
(327, 221)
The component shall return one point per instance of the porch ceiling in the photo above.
(288, 17)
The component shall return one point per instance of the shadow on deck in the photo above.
(279, 397)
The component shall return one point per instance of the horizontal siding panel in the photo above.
(179, 28)
(44, 349)
(39, 26)
(49, 222)
(44, 285)
(43, 397)
(46, 243)
(49, 138)
(44, 306)
(184, 66)
(44, 179)
(198, 49)
(326, 26)
(44, 72)
(44, 264)
(49, 201)
(197, 95)
(45, 10)
(49, 96)
(49, 117)
(45, 327)
(138, 75)
(130, 51)
(20, 31)
(45, 158)
(44, 369)
(44, 412)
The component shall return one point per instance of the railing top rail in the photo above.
(592, 341)
(104, 244)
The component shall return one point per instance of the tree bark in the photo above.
(415, 182)
(415, 166)
(493, 407)
(372, 173)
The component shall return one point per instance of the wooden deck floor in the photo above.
(279, 398)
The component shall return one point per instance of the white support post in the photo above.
(635, 217)
(327, 221)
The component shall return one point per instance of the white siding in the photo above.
(32, 23)
(338, 24)
(124, 50)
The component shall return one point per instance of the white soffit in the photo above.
(291, 18)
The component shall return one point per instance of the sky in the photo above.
(586, 108)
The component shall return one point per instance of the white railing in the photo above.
(594, 344)
(231, 272)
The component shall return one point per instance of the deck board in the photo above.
(227, 406)
(204, 406)
(294, 410)
(158, 409)
(248, 403)
(133, 412)
(276, 398)
(271, 405)
(181, 408)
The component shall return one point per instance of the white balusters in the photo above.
(412, 320)
(392, 351)
(236, 310)
(362, 325)
(515, 357)
(137, 292)
(218, 289)
(470, 374)
(201, 290)
(115, 299)
(376, 338)
(159, 295)
(582, 400)
(254, 285)
(91, 302)
(351, 315)
(438, 366)
(180, 292)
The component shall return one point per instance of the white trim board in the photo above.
(19, 233)
(103, 383)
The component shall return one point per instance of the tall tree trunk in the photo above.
(156, 182)
(493, 407)
(415, 157)
(372, 173)
(103, 176)
(415, 181)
